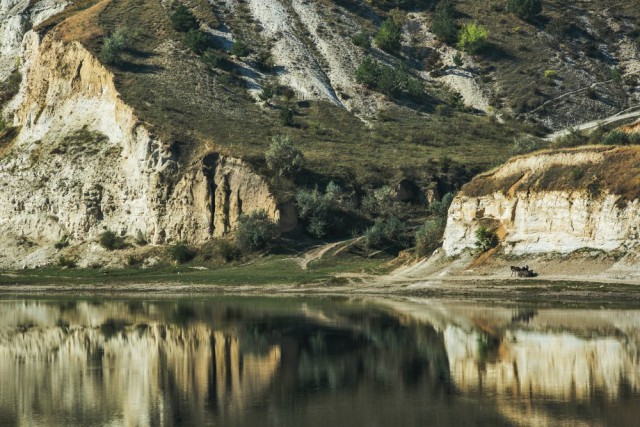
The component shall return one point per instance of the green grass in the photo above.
(272, 270)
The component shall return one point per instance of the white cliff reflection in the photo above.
(316, 362)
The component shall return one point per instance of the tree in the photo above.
(428, 236)
(525, 9)
(181, 253)
(111, 241)
(472, 38)
(114, 45)
(444, 22)
(198, 41)
(283, 157)
(183, 20)
(485, 239)
(240, 49)
(388, 37)
(319, 209)
(256, 231)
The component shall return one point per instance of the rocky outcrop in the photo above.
(82, 162)
(552, 202)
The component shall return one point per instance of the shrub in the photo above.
(183, 20)
(574, 138)
(616, 137)
(381, 202)
(283, 158)
(616, 74)
(256, 231)
(388, 80)
(388, 233)
(525, 9)
(428, 237)
(444, 23)
(62, 243)
(457, 59)
(198, 41)
(240, 49)
(472, 38)
(485, 239)
(65, 262)
(388, 36)
(141, 239)
(440, 208)
(227, 251)
(550, 74)
(286, 115)
(181, 253)
(527, 144)
(319, 210)
(362, 40)
(114, 45)
(111, 241)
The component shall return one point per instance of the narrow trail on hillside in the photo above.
(618, 117)
(317, 254)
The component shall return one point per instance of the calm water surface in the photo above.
(314, 362)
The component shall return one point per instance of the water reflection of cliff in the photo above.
(285, 362)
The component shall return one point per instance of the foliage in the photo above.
(65, 262)
(286, 115)
(319, 210)
(440, 209)
(362, 40)
(62, 243)
(183, 20)
(198, 41)
(283, 158)
(485, 239)
(444, 22)
(381, 203)
(181, 253)
(617, 137)
(141, 239)
(256, 231)
(240, 49)
(388, 80)
(550, 74)
(472, 38)
(428, 236)
(114, 45)
(388, 36)
(227, 251)
(457, 59)
(388, 233)
(111, 241)
(574, 138)
(525, 9)
(524, 144)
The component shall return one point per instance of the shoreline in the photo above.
(552, 290)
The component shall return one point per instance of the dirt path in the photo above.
(618, 117)
(317, 254)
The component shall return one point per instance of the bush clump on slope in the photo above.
(472, 38)
(319, 210)
(388, 37)
(283, 158)
(114, 45)
(388, 80)
(444, 22)
(183, 20)
(525, 9)
(111, 241)
(256, 231)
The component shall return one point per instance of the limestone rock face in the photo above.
(551, 203)
(82, 162)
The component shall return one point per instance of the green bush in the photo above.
(458, 60)
(485, 239)
(227, 251)
(111, 241)
(388, 233)
(428, 237)
(444, 22)
(141, 239)
(256, 231)
(525, 9)
(183, 20)
(319, 210)
(65, 262)
(550, 74)
(381, 203)
(440, 209)
(62, 243)
(181, 253)
(362, 40)
(472, 38)
(617, 137)
(574, 138)
(287, 114)
(198, 41)
(240, 49)
(283, 158)
(388, 36)
(114, 45)
(388, 80)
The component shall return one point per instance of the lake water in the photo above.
(314, 362)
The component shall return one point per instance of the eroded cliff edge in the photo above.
(557, 201)
(78, 161)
